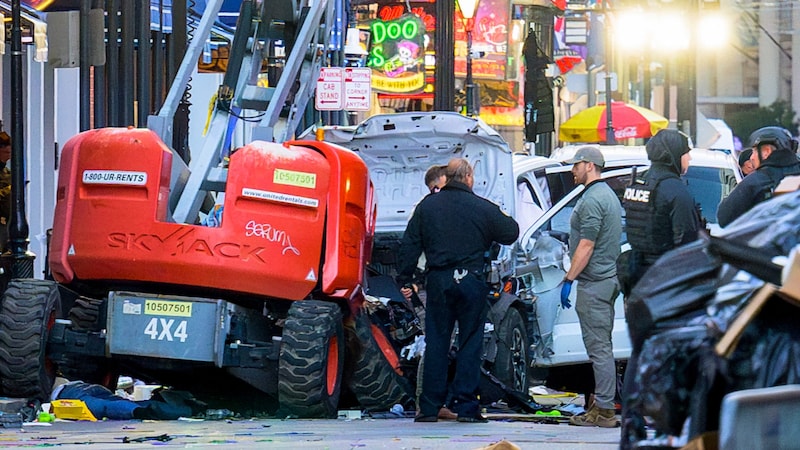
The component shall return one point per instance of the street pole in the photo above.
(469, 84)
(469, 9)
(610, 139)
(22, 259)
(444, 82)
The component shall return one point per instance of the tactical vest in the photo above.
(647, 239)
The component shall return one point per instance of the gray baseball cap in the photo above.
(588, 154)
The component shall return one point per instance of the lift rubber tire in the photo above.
(85, 313)
(27, 314)
(378, 382)
(511, 363)
(311, 360)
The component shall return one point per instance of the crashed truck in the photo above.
(252, 261)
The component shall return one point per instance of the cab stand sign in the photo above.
(345, 88)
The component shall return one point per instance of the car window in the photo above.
(528, 208)
(709, 186)
(541, 179)
(559, 183)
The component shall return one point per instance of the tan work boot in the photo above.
(596, 417)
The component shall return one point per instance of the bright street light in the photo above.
(469, 8)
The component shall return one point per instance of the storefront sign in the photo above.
(489, 37)
(397, 55)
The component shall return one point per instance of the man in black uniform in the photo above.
(660, 214)
(774, 157)
(455, 228)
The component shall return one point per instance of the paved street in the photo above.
(310, 434)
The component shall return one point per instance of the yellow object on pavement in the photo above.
(72, 410)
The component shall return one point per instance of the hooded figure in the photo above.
(660, 216)
(667, 148)
(774, 157)
(660, 211)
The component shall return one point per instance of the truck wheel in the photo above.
(27, 314)
(511, 364)
(85, 316)
(378, 382)
(85, 313)
(311, 360)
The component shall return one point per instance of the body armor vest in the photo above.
(647, 238)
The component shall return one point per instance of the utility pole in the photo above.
(22, 259)
(444, 84)
(610, 139)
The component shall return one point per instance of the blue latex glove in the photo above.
(566, 288)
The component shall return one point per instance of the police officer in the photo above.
(660, 213)
(5, 188)
(774, 157)
(455, 228)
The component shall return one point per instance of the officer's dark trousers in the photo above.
(448, 302)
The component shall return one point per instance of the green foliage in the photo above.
(779, 114)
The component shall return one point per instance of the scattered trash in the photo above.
(219, 414)
(161, 438)
(144, 391)
(550, 397)
(10, 420)
(72, 410)
(11, 405)
(349, 414)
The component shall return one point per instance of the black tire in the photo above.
(27, 313)
(91, 370)
(511, 364)
(311, 360)
(378, 382)
(85, 313)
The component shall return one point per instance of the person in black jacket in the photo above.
(455, 228)
(661, 213)
(774, 157)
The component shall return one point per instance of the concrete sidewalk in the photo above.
(339, 434)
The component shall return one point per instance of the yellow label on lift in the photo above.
(293, 178)
(167, 308)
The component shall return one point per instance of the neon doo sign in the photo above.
(397, 55)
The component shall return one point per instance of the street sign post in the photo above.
(330, 89)
(357, 81)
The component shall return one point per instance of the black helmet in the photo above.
(777, 136)
(667, 147)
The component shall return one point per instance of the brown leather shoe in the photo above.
(446, 414)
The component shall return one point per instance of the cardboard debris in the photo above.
(550, 397)
(502, 445)
(788, 184)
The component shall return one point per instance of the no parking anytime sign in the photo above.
(357, 88)
(343, 88)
